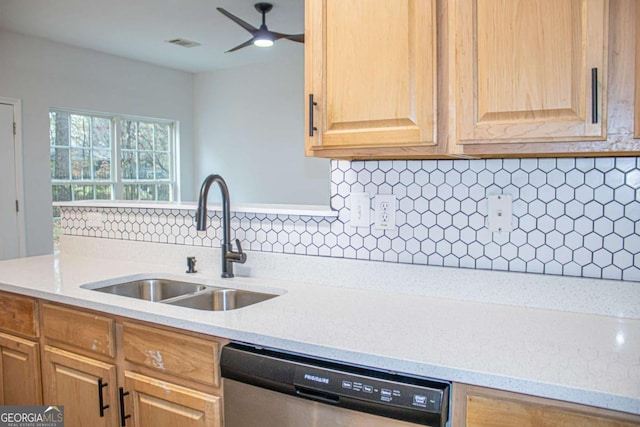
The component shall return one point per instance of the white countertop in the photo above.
(257, 208)
(584, 358)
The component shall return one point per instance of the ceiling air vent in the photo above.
(184, 42)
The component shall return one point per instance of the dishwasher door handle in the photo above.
(331, 399)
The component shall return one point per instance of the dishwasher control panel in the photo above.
(417, 397)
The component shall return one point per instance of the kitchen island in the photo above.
(587, 354)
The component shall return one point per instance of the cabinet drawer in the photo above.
(19, 315)
(186, 357)
(484, 407)
(78, 329)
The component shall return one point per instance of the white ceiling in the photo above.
(138, 29)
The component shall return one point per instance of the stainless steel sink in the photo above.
(221, 299)
(152, 289)
(184, 294)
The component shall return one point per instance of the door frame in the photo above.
(17, 141)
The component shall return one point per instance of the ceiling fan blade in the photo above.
(296, 38)
(238, 21)
(293, 37)
(240, 46)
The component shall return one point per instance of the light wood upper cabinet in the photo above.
(402, 79)
(637, 68)
(530, 70)
(371, 69)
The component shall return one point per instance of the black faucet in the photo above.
(228, 255)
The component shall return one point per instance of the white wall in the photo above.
(249, 128)
(44, 74)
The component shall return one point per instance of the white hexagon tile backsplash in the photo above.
(571, 216)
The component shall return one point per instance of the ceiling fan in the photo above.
(262, 37)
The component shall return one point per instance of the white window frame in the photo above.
(117, 182)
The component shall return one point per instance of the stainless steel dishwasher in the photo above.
(269, 388)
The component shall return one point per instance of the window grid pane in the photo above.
(81, 157)
(146, 155)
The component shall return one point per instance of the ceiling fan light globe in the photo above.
(263, 42)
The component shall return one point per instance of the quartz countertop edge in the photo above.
(582, 358)
(255, 208)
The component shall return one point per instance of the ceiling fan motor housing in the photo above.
(263, 7)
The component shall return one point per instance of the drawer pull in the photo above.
(312, 104)
(123, 417)
(101, 385)
(594, 95)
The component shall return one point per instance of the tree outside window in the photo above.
(102, 157)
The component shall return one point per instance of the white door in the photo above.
(9, 231)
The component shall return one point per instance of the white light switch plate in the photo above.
(500, 212)
(359, 213)
(94, 220)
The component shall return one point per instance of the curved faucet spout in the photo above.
(228, 255)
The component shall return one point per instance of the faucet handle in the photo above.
(240, 256)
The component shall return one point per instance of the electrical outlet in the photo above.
(359, 209)
(500, 211)
(94, 220)
(384, 211)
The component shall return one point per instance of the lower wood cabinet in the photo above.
(87, 388)
(109, 371)
(483, 407)
(20, 380)
(19, 371)
(151, 402)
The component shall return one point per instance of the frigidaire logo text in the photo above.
(316, 378)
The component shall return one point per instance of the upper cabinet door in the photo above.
(530, 70)
(371, 69)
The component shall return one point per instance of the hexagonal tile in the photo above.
(485, 178)
(545, 223)
(603, 194)
(592, 242)
(563, 255)
(537, 208)
(574, 209)
(593, 210)
(625, 195)
(406, 177)
(603, 226)
(594, 178)
(604, 163)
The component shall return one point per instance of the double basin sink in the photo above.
(185, 294)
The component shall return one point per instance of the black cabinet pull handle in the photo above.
(312, 104)
(123, 417)
(594, 95)
(101, 385)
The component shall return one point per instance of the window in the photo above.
(111, 157)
